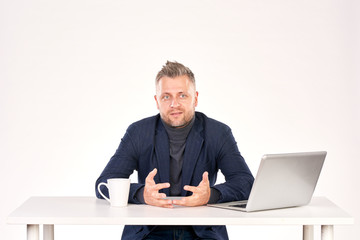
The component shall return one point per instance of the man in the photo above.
(178, 153)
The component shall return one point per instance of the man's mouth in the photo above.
(175, 114)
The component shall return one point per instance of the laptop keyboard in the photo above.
(238, 205)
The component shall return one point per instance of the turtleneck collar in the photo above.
(178, 133)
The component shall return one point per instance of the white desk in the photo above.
(49, 211)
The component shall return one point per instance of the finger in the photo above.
(150, 176)
(191, 188)
(205, 178)
(167, 206)
(166, 203)
(156, 195)
(160, 186)
(190, 201)
(162, 196)
(180, 202)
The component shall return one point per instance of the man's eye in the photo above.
(166, 97)
(182, 96)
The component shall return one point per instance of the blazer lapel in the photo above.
(192, 150)
(162, 150)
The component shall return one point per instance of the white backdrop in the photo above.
(284, 75)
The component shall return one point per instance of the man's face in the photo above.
(176, 99)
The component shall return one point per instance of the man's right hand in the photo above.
(151, 192)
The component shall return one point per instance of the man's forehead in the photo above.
(174, 85)
(177, 79)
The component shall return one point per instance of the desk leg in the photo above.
(327, 232)
(308, 232)
(48, 232)
(32, 232)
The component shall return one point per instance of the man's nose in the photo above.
(174, 103)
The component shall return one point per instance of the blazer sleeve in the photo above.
(122, 164)
(238, 177)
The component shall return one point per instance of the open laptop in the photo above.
(283, 180)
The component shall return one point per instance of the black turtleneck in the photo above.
(177, 140)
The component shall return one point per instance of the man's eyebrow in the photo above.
(180, 92)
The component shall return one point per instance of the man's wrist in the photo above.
(214, 196)
(140, 195)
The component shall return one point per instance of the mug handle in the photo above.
(101, 192)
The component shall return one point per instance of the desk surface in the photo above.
(89, 210)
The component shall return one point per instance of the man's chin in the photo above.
(176, 124)
(179, 125)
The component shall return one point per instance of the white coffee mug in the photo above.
(118, 191)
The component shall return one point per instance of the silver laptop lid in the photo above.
(285, 180)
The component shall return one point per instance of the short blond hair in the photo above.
(175, 69)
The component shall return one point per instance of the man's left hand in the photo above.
(200, 196)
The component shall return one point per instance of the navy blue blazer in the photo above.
(210, 146)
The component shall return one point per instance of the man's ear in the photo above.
(196, 98)
(157, 104)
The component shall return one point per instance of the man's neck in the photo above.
(179, 132)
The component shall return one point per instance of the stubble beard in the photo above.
(180, 123)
